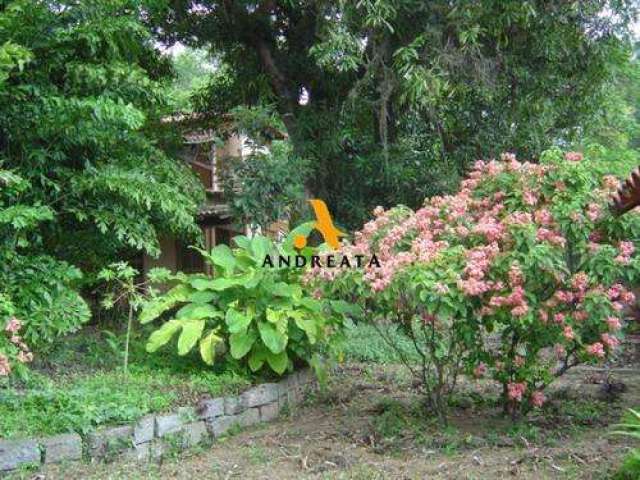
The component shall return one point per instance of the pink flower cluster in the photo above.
(596, 349)
(626, 250)
(515, 391)
(573, 156)
(538, 399)
(24, 355)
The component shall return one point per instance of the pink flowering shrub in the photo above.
(517, 277)
(14, 352)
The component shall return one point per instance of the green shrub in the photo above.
(38, 299)
(261, 314)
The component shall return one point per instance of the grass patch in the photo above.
(79, 385)
(365, 344)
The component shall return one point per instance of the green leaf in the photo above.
(191, 332)
(197, 311)
(236, 321)
(241, 343)
(278, 362)
(257, 357)
(202, 297)
(282, 289)
(260, 246)
(222, 256)
(274, 316)
(307, 324)
(272, 338)
(208, 347)
(242, 241)
(158, 305)
(216, 284)
(161, 336)
(311, 304)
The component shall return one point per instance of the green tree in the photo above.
(80, 121)
(402, 94)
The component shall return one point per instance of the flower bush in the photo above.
(14, 352)
(518, 277)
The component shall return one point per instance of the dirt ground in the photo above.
(369, 424)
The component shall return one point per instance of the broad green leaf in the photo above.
(197, 311)
(242, 241)
(274, 316)
(216, 284)
(278, 362)
(311, 304)
(191, 332)
(257, 357)
(241, 343)
(208, 347)
(282, 289)
(272, 338)
(307, 324)
(202, 297)
(157, 306)
(236, 321)
(222, 256)
(260, 246)
(161, 336)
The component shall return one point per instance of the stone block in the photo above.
(109, 440)
(194, 433)
(269, 412)
(143, 430)
(14, 453)
(233, 406)
(169, 424)
(220, 425)
(249, 417)
(141, 452)
(60, 448)
(211, 408)
(260, 395)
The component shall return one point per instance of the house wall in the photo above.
(167, 258)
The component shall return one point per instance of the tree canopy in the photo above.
(80, 106)
(403, 94)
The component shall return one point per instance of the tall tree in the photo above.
(79, 120)
(396, 93)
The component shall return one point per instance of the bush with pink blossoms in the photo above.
(14, 352)
(518, 277)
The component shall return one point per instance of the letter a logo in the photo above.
(324, 224)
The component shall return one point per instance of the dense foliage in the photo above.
(518, 277)
(258, 314)
(35, 288)
(80, 96)
(272, 185)
(404, 95)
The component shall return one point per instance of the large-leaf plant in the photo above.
(262, 315)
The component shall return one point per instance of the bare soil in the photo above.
(369, 424)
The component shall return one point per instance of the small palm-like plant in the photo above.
(631, 427)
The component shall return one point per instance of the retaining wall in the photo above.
(154, 435)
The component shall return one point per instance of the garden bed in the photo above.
(369, 424)
(79, 386)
